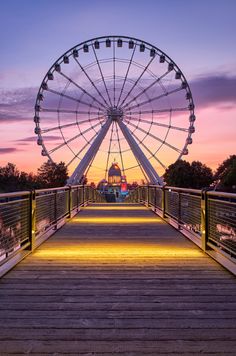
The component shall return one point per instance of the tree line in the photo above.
(197, 175)
(49, 175)
(183, 174)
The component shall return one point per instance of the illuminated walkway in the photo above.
(116, 280)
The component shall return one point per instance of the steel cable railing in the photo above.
(208, 217)
(26, 216)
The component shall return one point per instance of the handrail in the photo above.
(207, 217)
(29, 217)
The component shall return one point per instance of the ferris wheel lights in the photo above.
(37, 130)
(50, 76)
(152, 52)
(178, 75)
(57, 67)
(191, 129)
(36, 119)
(66, 59)
(119, 42)
(192, 118)
(108, 42)
(170, 66)
(39, 141)
(162, 58)
(184, 85)
(189, 140)
(96, 45)
(188, 96)
(44, 86)
(131, 44)
(75, 53)
(142, 47)
(85, 48)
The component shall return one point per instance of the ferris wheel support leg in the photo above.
(89, 155)
(140, 156)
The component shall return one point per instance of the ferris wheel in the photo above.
(114, 98)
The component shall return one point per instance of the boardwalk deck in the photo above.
(117, 280)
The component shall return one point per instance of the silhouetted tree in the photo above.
(225, 175)
(52, 175)
(179, 174)
(185, 175)
(202, 176)
(9, 178)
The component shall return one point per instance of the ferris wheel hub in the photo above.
(115, 113)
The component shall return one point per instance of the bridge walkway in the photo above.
(117, 280)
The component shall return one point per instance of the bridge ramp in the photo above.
(117, 280)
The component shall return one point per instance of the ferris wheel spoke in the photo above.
(160, 111)
(114, 74)
(81, 150)
(119, 145)
(155, 98)
(102, 76)
(90, 80)
(73, 138)
(136, 82)
(149, 151)
(146, 89)
(72, 124)
(64, 111)
(151, 122)
(109, 149)
(72, 98)
(154, 137)
(126, 75)
(82, 89)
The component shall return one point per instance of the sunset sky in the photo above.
(198, 35)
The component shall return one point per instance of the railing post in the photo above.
(32, 224)
(70, 207)
(204, 219)
(83, 190)
(77, 199)
(55, 209)
(155, 198)
(163, 202)
(148, 195)
(179, 210)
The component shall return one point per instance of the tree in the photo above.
(179, 174)
(9, 176)
(185, 175)
(202, 176)
(225, 175)
(52, 175)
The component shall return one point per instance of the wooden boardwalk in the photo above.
(117, 280)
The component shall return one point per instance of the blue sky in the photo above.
(198, 35)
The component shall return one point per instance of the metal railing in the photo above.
(27, 216)
(207, 217)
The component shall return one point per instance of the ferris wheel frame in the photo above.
(112, 106)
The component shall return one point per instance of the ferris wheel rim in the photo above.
(90, 42)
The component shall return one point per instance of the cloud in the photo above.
(34, 138)
(214, 90)
(17, 105)
(8, 150)
(208, 90)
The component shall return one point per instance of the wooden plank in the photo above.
(133, 289)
